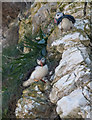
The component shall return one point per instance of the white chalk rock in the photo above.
(69, 106)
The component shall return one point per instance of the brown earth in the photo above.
(10, 11)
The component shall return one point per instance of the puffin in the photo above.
(63, 21)
(39, 73)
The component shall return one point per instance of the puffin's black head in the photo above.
(58, 17)
(41, 61)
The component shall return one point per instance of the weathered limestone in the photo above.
(71, 90)
(72, 73)
(34, 103)
(71, 105)
(43, 17)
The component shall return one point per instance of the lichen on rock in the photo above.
(34, 102)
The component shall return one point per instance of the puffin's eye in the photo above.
(57, 14)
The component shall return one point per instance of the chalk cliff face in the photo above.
(70, 88)
(72, 77)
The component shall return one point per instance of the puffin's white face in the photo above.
(58, 15)
(41, 61)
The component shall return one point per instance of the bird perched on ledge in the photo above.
(64, 22)
(39, 72)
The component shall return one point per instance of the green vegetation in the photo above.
(16, 64)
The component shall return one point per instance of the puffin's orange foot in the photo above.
(36, 80)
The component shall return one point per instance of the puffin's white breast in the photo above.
(39, 72)
(66, 24)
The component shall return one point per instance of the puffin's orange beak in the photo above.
(41, 63)
(55, 20)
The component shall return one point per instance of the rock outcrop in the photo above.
(72, 76)
(71, 90)
(73, 106)
(40, 18)
(43, 18)
(10, 27)
(35, 103)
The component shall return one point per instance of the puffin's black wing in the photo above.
(71, 18)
